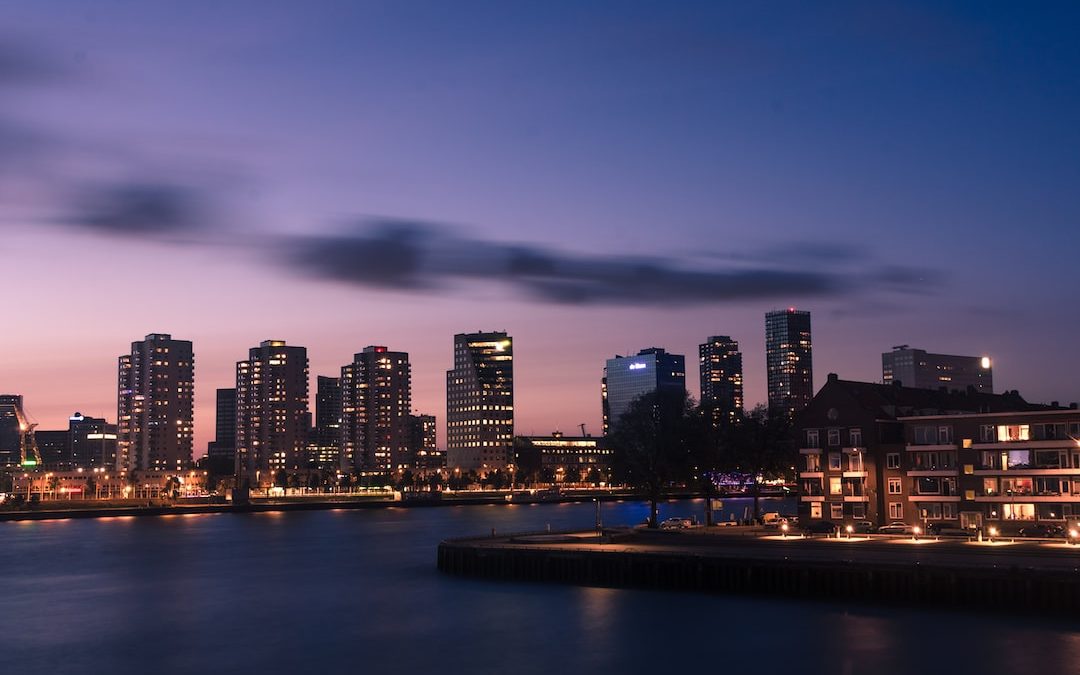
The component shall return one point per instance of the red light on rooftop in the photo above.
(380, 350)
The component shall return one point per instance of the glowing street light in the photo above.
(783, 530)
(1073, 535)
(993, 533)
(849, 529)
(915, 532)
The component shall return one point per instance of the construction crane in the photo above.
(29, 455)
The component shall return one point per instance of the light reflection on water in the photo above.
(346, 591)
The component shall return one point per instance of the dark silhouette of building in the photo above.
(222, 450)
(788, 361)
(423, 444)
(923, 370)
(272, 411)
(480, 402)
(10, 435)
(155, 408)
(92, 443)
(325, 439)
(376, 396)
(629, 377)
(721, 367)
(54, 448)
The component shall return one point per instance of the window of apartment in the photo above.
(855, 462)
(855, 437)
(858, 510)
(990, 486)
(1051, 511)
(924, 461)
(892, 460)
(812, 487)
(927, 486)
(836, 511)
(813, 462)
(930, 511)
(1018, 511)
(990, 459)
(948, 511)
(925, 435)
(1074, 429)
(896, 510)
(834, 461)
(944, 435)
(987, 433)
(834, 437)
(1016, 486)
(1051, 486)
(1013, 432)
(812, 439)
(1049, 459)
(836, 486)
(895, 487)
(815, 509)
(1016, 459)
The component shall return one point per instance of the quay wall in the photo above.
(995, 589)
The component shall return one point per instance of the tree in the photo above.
(760, 445)
(654, 444)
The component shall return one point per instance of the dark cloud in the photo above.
(411, 255)
(156, 210)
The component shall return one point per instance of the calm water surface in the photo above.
(357, 591)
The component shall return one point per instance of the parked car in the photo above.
(820, 527)
(896, 528)
(861, 527)
(1045, 531)
(771, 519)
(948, 530)
(675, 524)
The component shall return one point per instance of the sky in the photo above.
(593, 177)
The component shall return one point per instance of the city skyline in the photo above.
(900, 189)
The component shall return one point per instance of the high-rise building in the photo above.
(155, 407)
(629, 377)
(919, 369)
(10, 434)
(480, 402)
(92, 442)
(55, 449)
(324, 441)
(271, 410)
(223, 447)
(376, 396)
(423, 443)
(789, 361)
(721, 377)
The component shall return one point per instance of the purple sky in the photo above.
(905, 171)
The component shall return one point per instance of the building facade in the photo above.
(480, 402)
(720, 363)
(376, 396)
(629, 377)
(564, 459)
(155, 406)
(923, 370)
(789, 361)
(1005, 470)
(855, 461)
(271, 411)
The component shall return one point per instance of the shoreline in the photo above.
(321, 505)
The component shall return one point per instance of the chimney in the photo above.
(833, 377)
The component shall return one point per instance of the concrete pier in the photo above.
(1038, 577)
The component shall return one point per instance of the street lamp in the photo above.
(915, 532)
(849, 529)
(993, 533)
(783, 530)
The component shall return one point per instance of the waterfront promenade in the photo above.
(1012, 574)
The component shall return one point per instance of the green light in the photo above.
(29, 462)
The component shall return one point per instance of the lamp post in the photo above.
(849, 529)
(915, 532)
(783, 530)
(993, 533)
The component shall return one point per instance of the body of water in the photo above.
(357, 591)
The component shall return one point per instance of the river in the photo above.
(357, 592)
